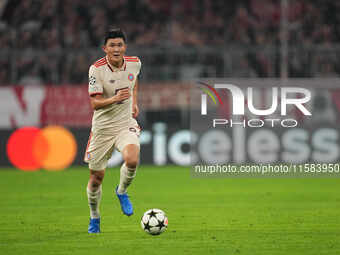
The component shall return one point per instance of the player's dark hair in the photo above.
(115, 33)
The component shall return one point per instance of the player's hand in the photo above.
(122, 95)
(135, 110)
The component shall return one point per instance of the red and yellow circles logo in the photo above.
(52, 148)
(130, 77)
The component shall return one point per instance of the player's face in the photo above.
(115, 49)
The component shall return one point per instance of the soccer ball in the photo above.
(154, 221)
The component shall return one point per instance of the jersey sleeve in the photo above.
(95, 85)
(139, 66)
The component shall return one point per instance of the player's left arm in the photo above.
(135, 109)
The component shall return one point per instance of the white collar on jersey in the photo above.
(115, 69)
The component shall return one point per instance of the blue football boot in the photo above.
(94, 226)
(125, 203)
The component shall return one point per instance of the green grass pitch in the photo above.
(47, 213)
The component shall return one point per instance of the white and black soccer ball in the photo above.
(154, 221)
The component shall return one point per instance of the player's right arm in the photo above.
(96, 91)
(98, 101)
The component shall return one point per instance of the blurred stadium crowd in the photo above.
(54, 42)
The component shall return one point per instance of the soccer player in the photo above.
(113, 94)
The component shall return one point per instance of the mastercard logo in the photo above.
(52, 148)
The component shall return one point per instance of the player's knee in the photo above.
(131, 156)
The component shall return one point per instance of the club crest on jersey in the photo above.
(130, 77)
(88, 156)
(112, 81)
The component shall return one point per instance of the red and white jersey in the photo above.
(107, 80)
